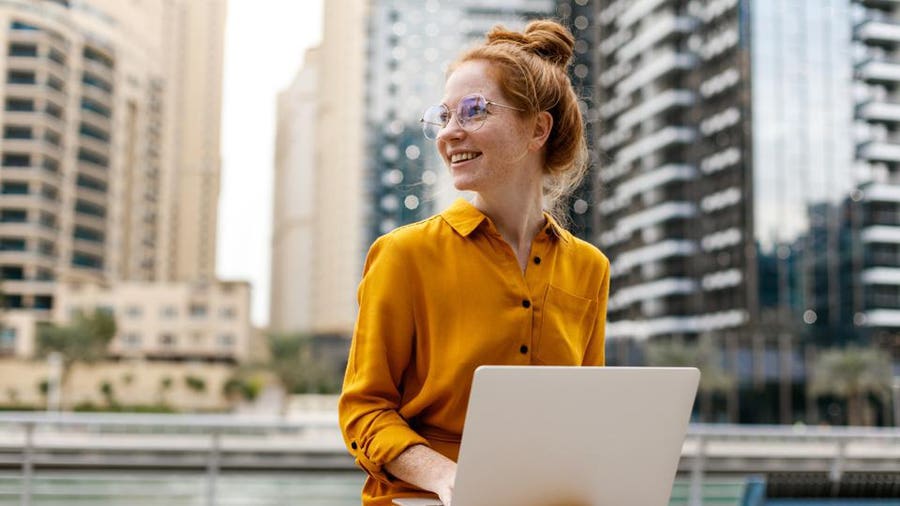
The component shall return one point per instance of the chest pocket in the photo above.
(566, 325)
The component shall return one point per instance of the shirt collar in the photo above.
(465, 218)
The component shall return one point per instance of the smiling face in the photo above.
(498, 154)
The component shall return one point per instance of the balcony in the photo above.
(654, 179)
(881, 276)
(882, 192)
(658, 140)
(624, 297)
(660, 103)
(637, 10)
(665, 63)
(880, 234)
(652, 253)
(883, 318)
(646, 328)
(879, 151)
(884, 112)
(655, 34)
(878, 71)
(878, 31)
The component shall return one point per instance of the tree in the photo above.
(86, 339)
(852, 374)
(704, 356)
(295, 364)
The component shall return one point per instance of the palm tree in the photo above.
(853, 374)
(704, 356)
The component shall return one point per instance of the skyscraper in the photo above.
(735, 200)
(110, 154)
(294, 213)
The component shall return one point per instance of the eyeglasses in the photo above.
(471, 111)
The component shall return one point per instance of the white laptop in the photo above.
(575, 436)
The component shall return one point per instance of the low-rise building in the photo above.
(169, 321)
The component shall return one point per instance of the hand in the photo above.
(445, 491)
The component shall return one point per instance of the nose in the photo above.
(450, 131)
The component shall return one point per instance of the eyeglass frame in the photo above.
(452, 116)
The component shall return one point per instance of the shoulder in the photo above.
(583, 251)
(412, 237)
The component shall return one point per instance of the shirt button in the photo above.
(523, 349)
(526, 303)
(353, 445)
(537, 260)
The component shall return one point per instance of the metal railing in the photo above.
(216, 442)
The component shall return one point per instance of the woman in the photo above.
(494, 281)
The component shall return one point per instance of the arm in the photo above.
(374, 431)
(595, 354)
(427, 469)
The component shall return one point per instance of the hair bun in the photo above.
(547, 39)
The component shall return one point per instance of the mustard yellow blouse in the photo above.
(440, 297)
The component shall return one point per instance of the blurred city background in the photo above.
(744, 182)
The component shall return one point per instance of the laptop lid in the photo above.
(538, 435)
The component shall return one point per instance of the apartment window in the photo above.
(134, 311)
(16, 160)
(48, 220)
(7, 339)
(86, 261)
(24, 50)
(14, 188)
(12, 244)
(90, 183)
(49, 192)
(50, 164)
(91, 80)
(86, 155)
(90, 209)
(18, 25)
(45, 275)
(96, 56)
(225, 340)
(131, 340)
(14, 302)
(17, 132)
(198, 310)
(228, 313)
(12, 272)
(44, 302)
(95, 107)
(53, 110)
(167, 340)
(46, 248)
(20, 77)
(19, 105)
(88, 234)
(56, 84)
(57, 56)
(52, 137)
(169, 312)
(13, 216)
(94, 133)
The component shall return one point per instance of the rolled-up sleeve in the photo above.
(372, 428)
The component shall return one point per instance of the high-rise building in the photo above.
(294, 211)
(110, 152)
(747, 183)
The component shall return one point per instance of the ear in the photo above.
(543, 124)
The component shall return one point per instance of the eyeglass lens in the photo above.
(471, 112)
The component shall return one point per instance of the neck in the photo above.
(518, 217)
